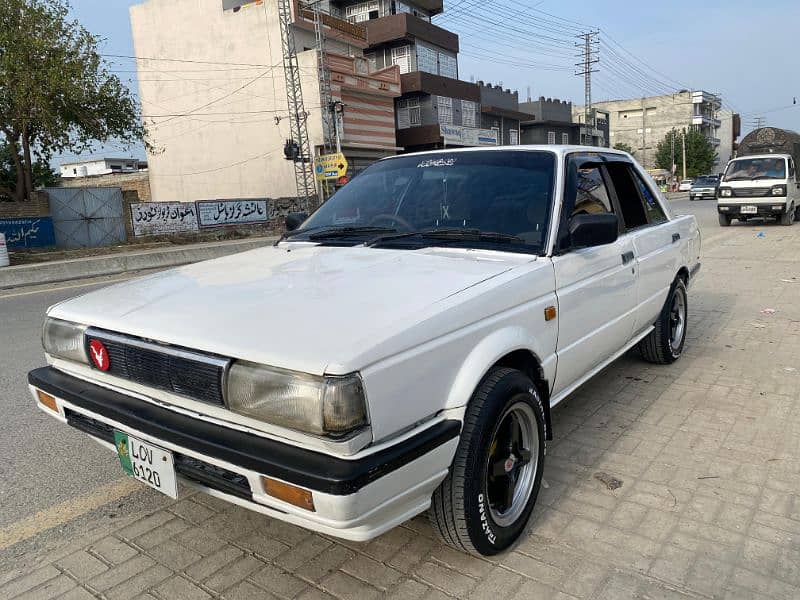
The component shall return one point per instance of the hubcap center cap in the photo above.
(510, 462)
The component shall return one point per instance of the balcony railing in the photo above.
(354, 30)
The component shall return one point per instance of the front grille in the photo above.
(751, 192)
(187, 467)
(182, 372)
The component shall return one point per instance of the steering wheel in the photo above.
(395, 219)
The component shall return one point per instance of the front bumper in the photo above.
(357, 499)
(702, 195)
(763, 209)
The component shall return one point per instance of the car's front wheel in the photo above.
(724, 220)
(787, 218)
(485, 501)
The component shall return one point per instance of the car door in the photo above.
(596, 287)
(654, 238)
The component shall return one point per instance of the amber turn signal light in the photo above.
(47, 401)
(550, 313)
(288, 493)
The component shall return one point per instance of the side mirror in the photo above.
(593, 230)
(294, 220)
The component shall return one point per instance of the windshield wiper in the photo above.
(339, 232)
(447, 234)
(766, 177)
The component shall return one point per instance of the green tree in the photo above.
(624, 147)
(43, 175)
(56, 93)
(700, 155)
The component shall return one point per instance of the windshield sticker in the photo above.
(437, 162)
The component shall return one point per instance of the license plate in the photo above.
(749, 210)
(149, 464)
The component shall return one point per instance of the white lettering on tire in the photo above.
(487, 529)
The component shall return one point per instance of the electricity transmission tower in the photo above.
(589, 55)
(758, 123)
(299, 148)
(325, 94)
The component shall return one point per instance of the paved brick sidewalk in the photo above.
(708, 452)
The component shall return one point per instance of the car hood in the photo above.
(301, 307)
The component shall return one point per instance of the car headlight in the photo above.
(63, 339)
(779, 190)
(317, 405)
(726, 192)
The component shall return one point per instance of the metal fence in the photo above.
(87, 217)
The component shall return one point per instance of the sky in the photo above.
(747, 54)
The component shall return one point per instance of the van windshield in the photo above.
(749, 169)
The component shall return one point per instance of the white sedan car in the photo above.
(686, 185)
(401, 350)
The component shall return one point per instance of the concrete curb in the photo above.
(112, 264)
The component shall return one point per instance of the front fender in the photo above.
(487, 353)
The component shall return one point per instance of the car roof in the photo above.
(748, 156)
(555, 149)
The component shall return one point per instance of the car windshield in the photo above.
(481, 199)
(756, 168)
(705, 182)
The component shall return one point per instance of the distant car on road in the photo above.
(685, 185)
(704, 188)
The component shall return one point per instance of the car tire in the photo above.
(484, 503)
(724, 220)
(665, 343)
(797, 214)
(787, 218)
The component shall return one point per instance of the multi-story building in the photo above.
(436, 109)
(550, 122)
(217, 112)
(642, 123)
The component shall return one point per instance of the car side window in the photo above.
(791, 169)
(629, 199)
(592, 193)
(655, 214)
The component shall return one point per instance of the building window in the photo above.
(402, 57)
(565, 139)
(499, 135)
(448, 66)
(513, 137)
(426, 60)
(551, 137)
(364, 11)
(469, 114)
(414, 112)
(445, 108)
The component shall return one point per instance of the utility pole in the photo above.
(299, 147)
(589, 55)
(672, 154)
(644, 134)
(684, 154)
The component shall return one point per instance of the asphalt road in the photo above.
(43, 463)
(46, 466)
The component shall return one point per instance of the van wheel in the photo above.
(797, 214)
(485, 501)
(724, 220)
(665, 343)
(787, 218)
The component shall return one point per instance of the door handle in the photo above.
(627, 258)
(675, 237)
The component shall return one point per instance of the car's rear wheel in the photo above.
(665, 343)
(724, 220)
(485, 501)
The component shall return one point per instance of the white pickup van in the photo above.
(401, 350)
(763, 185)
